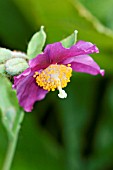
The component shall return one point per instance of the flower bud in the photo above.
(5, 54)
(15, 66)
(18, 54)
(2, 68)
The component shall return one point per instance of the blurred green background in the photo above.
(75, 133)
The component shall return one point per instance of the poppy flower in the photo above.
(52, 69)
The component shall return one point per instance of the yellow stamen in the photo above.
(69, 65)
(36, 73)
(54, 77)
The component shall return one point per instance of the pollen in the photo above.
(54, 77)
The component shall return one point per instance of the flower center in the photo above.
(54, 77)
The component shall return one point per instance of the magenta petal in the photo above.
(84, 63)
(56, 53)
(53, 53)
(88, 47)
(28, 92)
(102, 72)
(20, 77)
(40, 62)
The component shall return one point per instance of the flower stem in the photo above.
(12, 142)
(10, 153)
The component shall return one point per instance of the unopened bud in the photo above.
(5, 54)
(15, 66)
(18, 54)
(2, 68)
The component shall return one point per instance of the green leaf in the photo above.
(5, 54)
(70, 40)
(8, 105)
(36, 43)
(103, 12)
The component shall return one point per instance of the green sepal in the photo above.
(36, 43)
(70, 40)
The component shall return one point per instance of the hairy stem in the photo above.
(12, 142)
(10, 153)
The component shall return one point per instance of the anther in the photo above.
(54, 77)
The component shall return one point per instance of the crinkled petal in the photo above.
(84, 63)
(56, 53)
(40, 62)
(28, 92)
(20, 77)
(88, 47)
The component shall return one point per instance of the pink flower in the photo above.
(52, 70)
